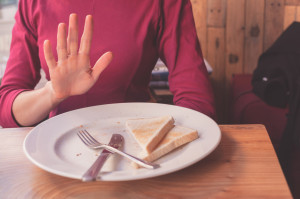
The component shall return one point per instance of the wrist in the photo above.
(52, 95)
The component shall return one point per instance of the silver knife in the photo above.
(116, 141)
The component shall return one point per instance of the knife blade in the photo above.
(116, 141)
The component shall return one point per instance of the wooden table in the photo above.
(244, 165)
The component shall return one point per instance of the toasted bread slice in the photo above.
(148, 132)
(177, 136)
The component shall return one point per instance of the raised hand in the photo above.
(72, 73)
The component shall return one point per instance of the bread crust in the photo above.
(175, 138)
(148, 132)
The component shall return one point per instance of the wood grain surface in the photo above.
(244, 165)
(254, 27)
(216, 46)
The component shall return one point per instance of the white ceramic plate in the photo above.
(54, 146)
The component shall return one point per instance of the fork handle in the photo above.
(92, 173)
(139, 161)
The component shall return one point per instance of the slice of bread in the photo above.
(177, 136)
(148, 132)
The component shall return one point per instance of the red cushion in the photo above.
(247, 108)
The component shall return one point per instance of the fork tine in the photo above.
(82, 138)
(89, 137)
(89, 141)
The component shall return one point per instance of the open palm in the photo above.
(72, 73)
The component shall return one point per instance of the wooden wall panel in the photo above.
(292, 2)
(216, 57)
(298, 14)
(290, 13)
(254, 33)
(274, 18)
(200, 17)
(235, 36)
(216, 13)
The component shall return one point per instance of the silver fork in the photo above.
(92, 143)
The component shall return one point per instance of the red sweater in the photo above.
(137, 32)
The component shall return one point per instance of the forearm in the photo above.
(31, 107)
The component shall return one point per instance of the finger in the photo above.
(101, 64)
(62, 52)
(86, 39)
(50, 60)
(73, 35)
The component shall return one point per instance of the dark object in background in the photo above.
(276, 80)
(278, 68)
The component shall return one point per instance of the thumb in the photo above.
(101, 64)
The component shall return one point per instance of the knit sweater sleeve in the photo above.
(23, 66)
(179, 48)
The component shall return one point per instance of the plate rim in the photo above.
(137, 177)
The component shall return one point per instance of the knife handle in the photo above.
(92, 173)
